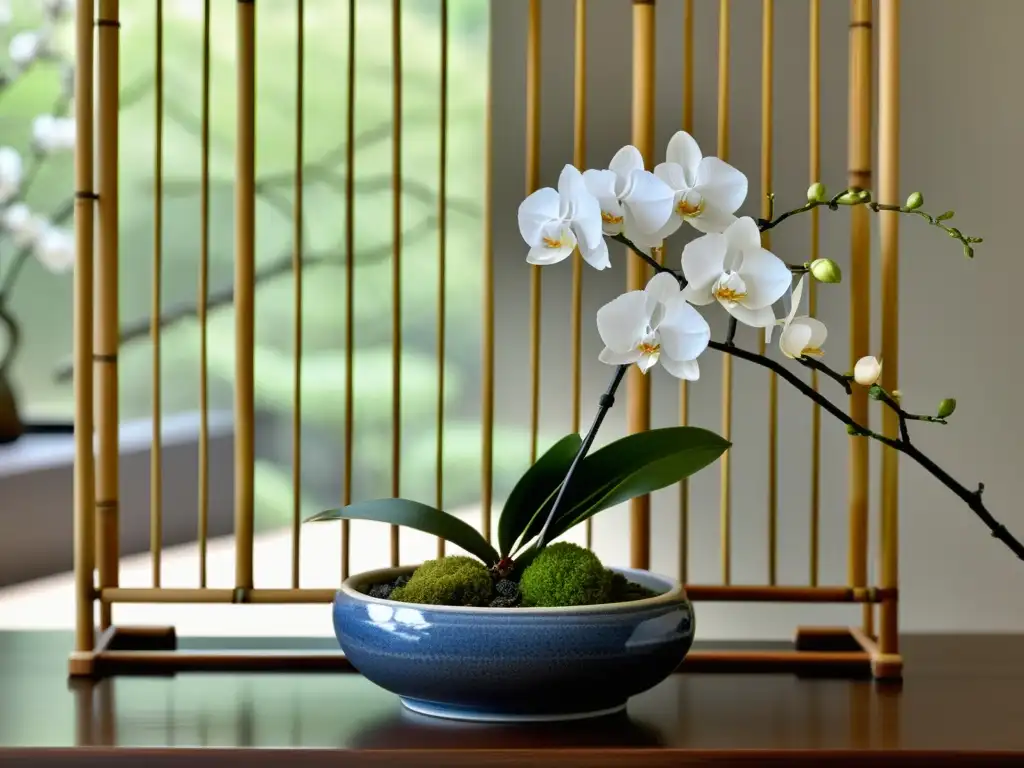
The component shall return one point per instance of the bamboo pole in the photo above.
(579, 159)
(697, 592)
(767, 93)
(297, 245)
(396, 264)
(245, 261)
(638, 386)
(85, 199)
(156, 447)
(684, 403)
(889, 192)
(859, 175)
(442, 245)
(533, 68)
(350, 281)
(201, 304)
(487, 315)
(723, 152)
(814, 66)
(106, 330)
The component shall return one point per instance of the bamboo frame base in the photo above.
(818, 652)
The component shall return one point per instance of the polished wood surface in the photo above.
(960, 703)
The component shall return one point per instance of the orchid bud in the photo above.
(914, 201)
(946, 407)
(867, 371)
(826, 271)
(849, 197)
(944, 216)
(816, 193)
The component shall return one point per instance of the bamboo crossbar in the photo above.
(97, 321)
(696, 592)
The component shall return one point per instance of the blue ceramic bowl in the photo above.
(510, 664)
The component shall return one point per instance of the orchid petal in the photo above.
(795, 339)
(681, 369)
(683, 332)
(712, 221)
(673, 175)
(766, 277)
(536, 211)
(621, 323)
(818, 332)
(662, 287)
(601, 184)
(650, 200)
(544, 254)
(684, 151)
(721, 185)
(755, 318)
(612, 357)
(743, 235)
(625, 161)
(647, 361)
(704, 261)
(596, 257)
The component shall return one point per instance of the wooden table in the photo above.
(961, 703)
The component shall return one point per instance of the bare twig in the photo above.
(280, 266)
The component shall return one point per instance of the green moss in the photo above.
(565, 574)
(455, 580)
(622, 590)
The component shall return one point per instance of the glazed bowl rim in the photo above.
(675, 594)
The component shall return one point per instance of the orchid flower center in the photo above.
(610, 218)
(690, 205)
(730, 288)
(649, 348)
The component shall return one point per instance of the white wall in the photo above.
(961, 110)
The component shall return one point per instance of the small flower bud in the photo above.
(968, 252)
(875, 392)
(897, 396)
(946, 407)
(955, 233)
(945, 216)
(915, 201)
(867, 371)
(826, 271)
(864, 196)
(816, 193)
(849, 197)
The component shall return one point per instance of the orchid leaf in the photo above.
(635, 466)
(413, 514)
(534, 489)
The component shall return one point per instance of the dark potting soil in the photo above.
(506, 591)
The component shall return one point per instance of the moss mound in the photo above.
(622, 590)
(455, 580)
(565, 574)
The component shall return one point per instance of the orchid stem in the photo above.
(605, 403)
(970, 497)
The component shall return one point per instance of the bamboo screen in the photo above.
(98, 34)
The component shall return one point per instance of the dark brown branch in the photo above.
(280, 266)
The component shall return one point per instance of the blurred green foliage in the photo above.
(43, 301)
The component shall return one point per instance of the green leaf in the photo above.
(534, 488)
(634, 466)
(413, 514)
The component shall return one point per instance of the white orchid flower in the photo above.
(801, 335)
(554, 222)
(633, 201)
(24, 48)
(55, 250)
(10, 173)
(53, 134)
(23, 226)
(707, 190)
(652, 325)
(733, 269)
(867, 371)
